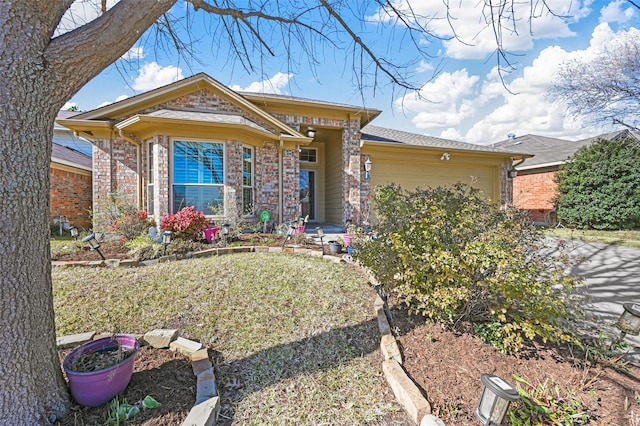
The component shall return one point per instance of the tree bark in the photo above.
(37, 75)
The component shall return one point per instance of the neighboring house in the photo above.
(70, 191)
(534, 188)
(198, 143)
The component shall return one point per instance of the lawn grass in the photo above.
(297, 332)
(621, 238)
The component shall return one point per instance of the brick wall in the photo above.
(71, 196)
(536, 193)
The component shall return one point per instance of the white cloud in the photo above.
(467, 25)
(136, 52)
(468, 108)
(118, 99)
(424, 66)
(153, 75)
(617, 12)
(273, 85)
(440, 103)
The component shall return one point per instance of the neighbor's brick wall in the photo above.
(71, 197)
(535, 192)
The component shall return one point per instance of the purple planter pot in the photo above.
(95, 388)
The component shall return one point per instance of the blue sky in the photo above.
(464, 101)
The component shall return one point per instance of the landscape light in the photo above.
(166, 240)
(93, 244)
(629, 322)
(226, 229)
(494, 402)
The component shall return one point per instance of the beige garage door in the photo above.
(410, 176)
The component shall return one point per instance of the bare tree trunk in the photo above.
(37, 75)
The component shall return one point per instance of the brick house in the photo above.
(198, 143)
(534, 188)
(71, 178)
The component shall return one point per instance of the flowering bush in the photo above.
(131, 223)
(187, 223)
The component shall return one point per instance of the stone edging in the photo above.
(405, 390)
(129, 263)
(207, 406)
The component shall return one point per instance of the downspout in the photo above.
(138, 158)
(280, 184)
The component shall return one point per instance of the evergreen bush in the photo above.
(599, 187)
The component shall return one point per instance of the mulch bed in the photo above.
(447, 367)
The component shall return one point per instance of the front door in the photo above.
(308, 193)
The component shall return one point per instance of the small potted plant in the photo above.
(99, 370)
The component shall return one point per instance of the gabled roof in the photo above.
(102, 118)
(70, 157)
(551, 152)
(391, 136)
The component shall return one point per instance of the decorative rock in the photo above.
(405, 391)
(204, 414)
(200, 361)
(72, 340)
(315, 253)
(128, 263)
(390, 349)
(206, 386)
(160, 338)
(430, 420)
(383, 322)
(185, 346)
(261, 249)
(112, 263)
(275, 249)
(95, 263)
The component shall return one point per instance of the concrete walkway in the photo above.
(612, 275)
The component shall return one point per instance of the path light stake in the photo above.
(74, 233)
(629, 322)
(166, 240)
(226, 228)
(93, 244)
(320, 232)
(494, 402)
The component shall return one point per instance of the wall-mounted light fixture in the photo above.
(311, 132)
(445, 156)
(93, 244)
(512, 173)
(495, 399)
(367, 168)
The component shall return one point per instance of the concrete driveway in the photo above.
(612, 276)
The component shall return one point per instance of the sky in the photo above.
(462, 95)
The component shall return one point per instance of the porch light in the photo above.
(74, 233)
(226, 229)
(320, 232)
(166, 240)
(367, 168)
(494, 402)
(629, 322)
(512, 173)
(93, 244)
(311, 132)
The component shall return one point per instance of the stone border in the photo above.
(207, 406)
(405, 390)
(129, 263)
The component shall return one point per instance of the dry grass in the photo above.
(296, 336)
(621, 238)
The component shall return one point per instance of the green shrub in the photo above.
(599, 188)
(453, 256)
